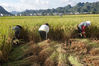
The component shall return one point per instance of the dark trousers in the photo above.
(17, 33)
(79, 30)
(43, 35)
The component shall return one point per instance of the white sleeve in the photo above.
(47, 29)
(13, 28)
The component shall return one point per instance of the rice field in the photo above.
(61, 26)
(67, 21)
(54, 51)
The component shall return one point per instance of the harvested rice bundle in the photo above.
(29, 61)
(33, 50)
(62, 58)
(32, 60)
(91, 59)
(74, 61)
(79, 48)
(43, 44)
(52, 60)
(94, 51)
(44, 54)
(95, 62)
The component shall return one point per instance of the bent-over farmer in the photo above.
(43, 30)
(17, 30)
(82, 26)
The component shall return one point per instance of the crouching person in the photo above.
(81, 28)
(43, 30)
(17, 30)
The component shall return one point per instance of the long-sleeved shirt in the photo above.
(16, 28)
(44, 28)
(82, 26)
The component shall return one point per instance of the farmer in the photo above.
(17, 30)
(82, 26)
(43, 30)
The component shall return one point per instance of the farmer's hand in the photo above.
(83, 33)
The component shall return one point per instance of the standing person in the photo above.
(43, 30)
(82, 26)
(17, 30)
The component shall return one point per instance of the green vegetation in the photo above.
(80, 8)
(54, 21)
(4, 12)
(54, 51)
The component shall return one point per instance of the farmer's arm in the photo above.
(83, 30)
(13, 28)
(47, 29)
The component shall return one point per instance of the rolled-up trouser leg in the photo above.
(43, 35)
